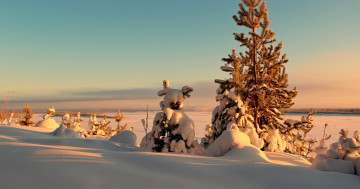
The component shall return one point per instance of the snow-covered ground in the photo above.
(31, 158)
(201, 119)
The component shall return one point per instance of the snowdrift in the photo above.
(41, 161)
(63, 131)
(125, 137)
(49, 123)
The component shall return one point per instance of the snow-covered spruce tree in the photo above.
(104, 128)
(173, 130)
(93, 125)
(77, 126)
(118, 119)
(66, 120)
(259, 81)
(26, 120)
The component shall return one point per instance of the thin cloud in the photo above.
(89, 95)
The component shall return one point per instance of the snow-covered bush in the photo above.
(321, 149)
(104, 128)
(50, 113)
(66, 121)
(295, 135)
(120, 128)
(26, 119)
(47, 121)
(93, 125)
(343, 156)
(6, 121)
(173, 130)
(145, 122)
(77, 126)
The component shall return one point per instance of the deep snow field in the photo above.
(31, 158)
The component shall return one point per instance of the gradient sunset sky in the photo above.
(116, 53)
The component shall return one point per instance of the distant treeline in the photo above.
(101, 112)
(327, 110)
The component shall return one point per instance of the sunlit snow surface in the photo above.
(32, 158)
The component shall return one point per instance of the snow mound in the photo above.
(343, 156)
(324, 163)
(125, 137)
(49, 123)
(63, 131)
(228, 140)
(247, 154)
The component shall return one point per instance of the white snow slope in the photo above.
(32, 158)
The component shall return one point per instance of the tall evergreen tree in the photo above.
(258, 74)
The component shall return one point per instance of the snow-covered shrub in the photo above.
(6, 121)
(295, 135)
(93, 125)
(77, 126)
(104, 128)
(47, 121)
(120, 128)
(50, 113)
(66, 121)
(321, 149)
(100, 128)
(173, 130)
(145, 122)
(26, 119)
(343, 156)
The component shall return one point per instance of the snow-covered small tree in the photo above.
(66, 120)
(47, 121)
(50, 113)
(145, 123)
(104, 128)
(2, 116)
(26, 120)
(4, 113)
(77, 126)
(77, 120)
(322, 147)
(295, 135)
(93, 125)
(7, 121)
(173, 130)
(120, 128)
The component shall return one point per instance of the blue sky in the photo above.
(76, 50)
